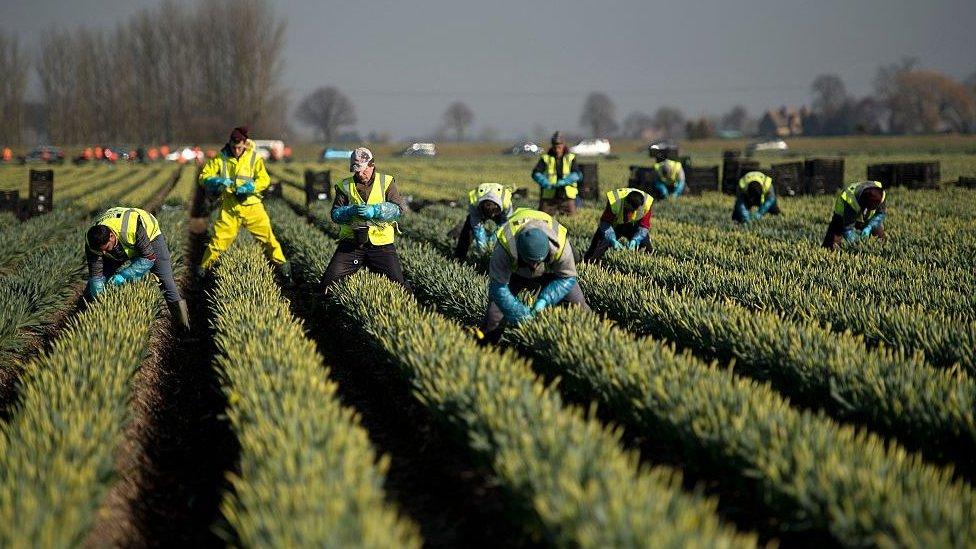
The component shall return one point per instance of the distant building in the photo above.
(783, 122)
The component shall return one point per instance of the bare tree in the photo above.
(13, 86)
(458, 117)
(669, 120)
(637, 124)
(736, 119)
(829, 94)
(326, 109)
(599, 114)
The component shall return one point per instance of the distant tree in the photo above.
(326, 110)
(829, 94)
(458, 117)
(703, 128)
(637, 124)
(735, 120)
(13, 87)
(669, 120)
(599, 115)
(924, 101)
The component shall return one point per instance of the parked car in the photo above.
(272, 149)
(43, 155)
(336, 154)
(591, 147)
(185, 154)
(525, 148)
(662, 144)
(766, 145)
(420, 149)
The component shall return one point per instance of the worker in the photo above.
(859, 212)
(367, 226)
(669, 179)
(122, 246)
(490, 201)
(558, 177)
(239, 177)
(533, 253)
(627, 214)
(8, 155)
(755, 190)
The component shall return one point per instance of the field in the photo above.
(735, 387)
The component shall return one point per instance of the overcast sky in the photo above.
(527, 64)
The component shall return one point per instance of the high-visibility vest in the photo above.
(380, 233)
(552, 175)
(245, 169)
(673, 168)
(524, 218)
(764, 180)
(615, 199)
(123, 223)
(491, 190)
(849, 197)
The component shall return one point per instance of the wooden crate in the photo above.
(788, 179)
(702, 179)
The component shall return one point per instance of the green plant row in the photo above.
(893, 391)
(806, 471)
(17, 243)
(572, 482)
(308, 475)
(57, 451)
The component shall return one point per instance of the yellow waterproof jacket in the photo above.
(249, 167)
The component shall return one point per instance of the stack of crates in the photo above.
(967, 182)
(590, 186)
(733, 168)
(641, 177)
(914, 175)
(701, 179)
(41, 192)
(788, 179)
(823, 175)
(318, 186)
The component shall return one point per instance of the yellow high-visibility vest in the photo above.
(522, 218)
(849, 197)
(380, 233)
(673, 168)
(615, 200)
(764, 180)
(551, 174)
(122, 221)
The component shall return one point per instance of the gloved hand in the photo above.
(866, 231)
(756, 215)
(608, 233)
(560, 183)
(555, 291)
(134, 271)
(343, 214)
(852, 236)
(216, 184)
(96, 285)
(617, 245)
(539, 305)
(245, 189)
(633, 244)
(480, 238)
(639, 237)
(513, 309)
(541, 179)
(366, 211)
(570, 179)
(662, 189)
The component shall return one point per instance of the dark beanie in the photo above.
(239, 134)
(871, 198)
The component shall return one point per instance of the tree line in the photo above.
(169, 73)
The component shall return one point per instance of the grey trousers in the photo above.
(162, 268)
(494, 322)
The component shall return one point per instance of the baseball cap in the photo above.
(360, 159)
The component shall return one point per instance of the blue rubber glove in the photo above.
(662, 189)
(366, 211)
(386, 212)
(851, 235)
(96, 285)
(866, 231)
(741, 211)
(875, 221)
(679, 188)
(480, 238)
(136, 269)
(245, 189)
(571, 178)
(343, 214)
(757, 215)
(541, 179)
(639, 237)
(514, 310)
(555, 291)
(560, 183)
(618, 246)
(768, 204)
(216, 184)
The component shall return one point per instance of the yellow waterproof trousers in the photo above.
(255, 219)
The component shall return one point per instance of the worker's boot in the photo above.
(180, 314)
(285, 270)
